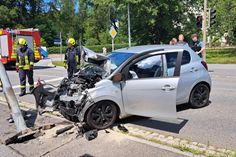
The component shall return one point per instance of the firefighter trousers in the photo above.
(22, 75)
(71, 69)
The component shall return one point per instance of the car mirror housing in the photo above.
(117, 77)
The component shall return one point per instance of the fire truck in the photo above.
(8, 44)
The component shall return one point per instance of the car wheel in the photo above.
(199, 96)
(101, 115)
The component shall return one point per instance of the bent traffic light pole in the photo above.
(11, 99)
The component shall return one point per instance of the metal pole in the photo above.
(11, 99)
(60, 46)
(204, 28)
(113, 44)
(129, 27)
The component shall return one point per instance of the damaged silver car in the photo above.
(143, 80)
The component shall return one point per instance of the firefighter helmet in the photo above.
(22, 41)
(71, 41)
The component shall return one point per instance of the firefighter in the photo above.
(24, 65)
(72, 58)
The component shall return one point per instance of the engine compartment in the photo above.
(70, 97)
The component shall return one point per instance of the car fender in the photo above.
(105, 90)
(206, 80)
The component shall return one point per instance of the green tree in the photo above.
(225, 20)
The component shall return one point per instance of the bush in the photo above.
(222, 50)
(56, 49)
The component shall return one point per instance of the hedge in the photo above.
(221, 53)
(222, 50)
(96, 48)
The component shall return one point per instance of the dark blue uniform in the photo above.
(197, 46)
(24, 62)
(72, 59)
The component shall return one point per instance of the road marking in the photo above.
(47, 81)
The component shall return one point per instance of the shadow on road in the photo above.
(43, 67)
(86, 155)
(182, 107)
(154, 124)
(13, 68)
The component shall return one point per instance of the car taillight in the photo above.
(204, 64)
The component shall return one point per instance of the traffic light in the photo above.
(212, 17)
(199, 21)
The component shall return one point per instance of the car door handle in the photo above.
(168, 88)
(193, 69)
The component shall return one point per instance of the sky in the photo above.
(76, 6)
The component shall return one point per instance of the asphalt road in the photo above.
(214, 124)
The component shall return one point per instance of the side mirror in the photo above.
(117, 77)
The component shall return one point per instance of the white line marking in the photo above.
(47, 81)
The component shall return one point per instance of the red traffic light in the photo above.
(199, 21)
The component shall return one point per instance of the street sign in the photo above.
(113, 32)
(57, 41)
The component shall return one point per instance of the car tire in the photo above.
(199, 96)
(101, 115)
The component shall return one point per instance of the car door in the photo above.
(149, 90)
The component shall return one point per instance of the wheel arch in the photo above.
(201, 82)
(106, 100)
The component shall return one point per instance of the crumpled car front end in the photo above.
(71, 95)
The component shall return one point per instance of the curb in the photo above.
(197, 149)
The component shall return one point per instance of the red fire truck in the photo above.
(8, 44)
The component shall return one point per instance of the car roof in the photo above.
(144, 48)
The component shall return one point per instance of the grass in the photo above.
(181, 148)
(221, 57)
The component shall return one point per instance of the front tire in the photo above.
(199, 96)
(101, 115)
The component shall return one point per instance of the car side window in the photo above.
(186, 58)
(149, 67)
(171, 59)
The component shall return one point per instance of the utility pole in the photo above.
(112, 44)
(129, 26)
(11, 100)
(61, 46)
(204, 28)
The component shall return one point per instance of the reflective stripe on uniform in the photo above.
(20, 63)
(22, 86)
(31, 85)
(26, 67)
(31, 63)
(26, 60)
